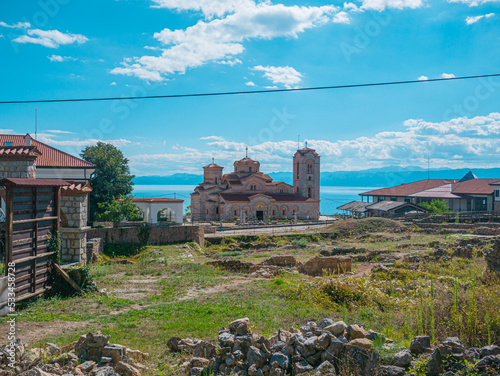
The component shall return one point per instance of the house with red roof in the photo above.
(470, 193)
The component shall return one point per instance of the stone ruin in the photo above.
(275, 265)
(327, 348)
(91, 355)
(319, 265)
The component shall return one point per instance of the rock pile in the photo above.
(91, 355)
(328, 348)
(315, 349)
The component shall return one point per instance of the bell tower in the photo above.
(306, 169)
(212, 173)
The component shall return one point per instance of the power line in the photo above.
(247, 92)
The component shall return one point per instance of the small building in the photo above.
(467, 194)
(247, 193)
(381, 208)
(168, 210)
(21, 156)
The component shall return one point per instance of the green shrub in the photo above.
(302, 243)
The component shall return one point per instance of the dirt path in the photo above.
(194, 293)
(30, 332)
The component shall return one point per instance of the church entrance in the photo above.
(259, 215)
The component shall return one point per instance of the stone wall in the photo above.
(317, 266)
(158, 235)
(94, 249)
(74, 209)
(74, 245)
(74, 228)
(17, 169)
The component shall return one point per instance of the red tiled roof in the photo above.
(475, 186)
(50, 156)
(13, 151)
(408, 189)
(280, 197)
(26, 182)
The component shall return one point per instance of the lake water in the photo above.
(331, 197)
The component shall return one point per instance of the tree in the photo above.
(112, 178)
(435, 206)
(117, 210)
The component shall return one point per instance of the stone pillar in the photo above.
(74, 206)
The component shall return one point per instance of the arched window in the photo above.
(284, 212)
(310, 168)
(309, 192)
(207, 211)
(217, 210)
(216, 180)
(250, 169)
(274, 212)
(298, 166)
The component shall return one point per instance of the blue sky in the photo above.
(97, 48)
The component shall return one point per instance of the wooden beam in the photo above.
(35, 220)
(67, 278)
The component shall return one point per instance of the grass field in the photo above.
(169, 290)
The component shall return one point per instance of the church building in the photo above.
(247, 193)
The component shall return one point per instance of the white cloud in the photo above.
(230, 62)
(222, 39)
(51, 139)
(210, 8)
(1, 36)
(341, 17)
(18, 25)
(473, 3)
(287, 76)
(249, 83)
(470, 20)
(381, 5)
(212, 138)
(474, 140)
(59, 131)
(423, 78)
(60, 59)
(447, 75)
(50, 38)
(112, 83)
(6, 131)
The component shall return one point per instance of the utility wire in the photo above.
(246, 92)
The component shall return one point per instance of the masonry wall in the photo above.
(74, 209)
(17, 169)
(74, 228)
(158, 235)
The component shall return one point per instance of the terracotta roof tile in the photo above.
(12, 151)
(77, 186)
(50, 156)
(408, 189)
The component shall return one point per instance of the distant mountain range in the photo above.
(377, 177)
